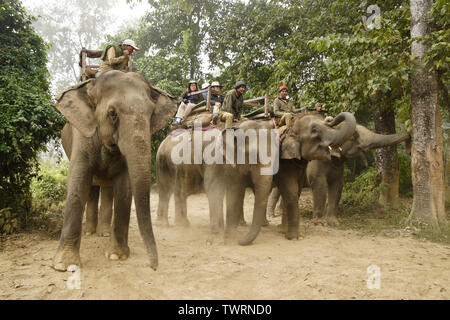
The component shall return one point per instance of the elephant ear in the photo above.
(165, 108)
(290, 148)
(77, 104)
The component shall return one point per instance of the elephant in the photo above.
(327, 177)
(110, 123)
(310, 137)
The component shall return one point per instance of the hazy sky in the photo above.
(122, 11)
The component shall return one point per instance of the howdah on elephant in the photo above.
(110, 123)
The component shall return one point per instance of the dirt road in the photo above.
(325, 264)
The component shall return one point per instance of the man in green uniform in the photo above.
(282, 107)
(233, 104)
(116, 57)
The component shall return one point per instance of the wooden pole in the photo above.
(266, 105)
(208, 99)
(83, 64)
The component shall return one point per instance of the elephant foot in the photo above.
(66, 257)
(332, 221)
(214, 238)
(265, 223)
(291, 235)
(104, 231)
(116, 252)
(182, 223)
(242, 222)
(162, 221)
(277, 212)
(231, 233)
(89, 230)
(282, 228)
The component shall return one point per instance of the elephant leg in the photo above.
(334, 196)
(118, 248)
(163, 206)
(319, 190)
(235, 202)
(92, 210)
(272, 202)
(215, 193)
(289, 189)
(181, 208)
(78, 188)
(106, 210)
(262, 185)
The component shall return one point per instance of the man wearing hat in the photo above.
(188, 101)
(282, 107)
(116, 57)
(233, 104)
(216, 97)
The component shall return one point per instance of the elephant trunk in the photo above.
(342, 128)
(138, 159)
(372, 140)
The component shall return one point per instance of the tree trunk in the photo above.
(386, 158)
(427, 154)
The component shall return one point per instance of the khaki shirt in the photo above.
(113, 63)
(280, 106)
(233, 104)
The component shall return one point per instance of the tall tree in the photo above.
(427, 154)
(180, 28)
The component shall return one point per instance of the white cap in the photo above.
(130, 43)
(216, 84)
(205, 85)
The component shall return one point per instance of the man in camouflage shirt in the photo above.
(116, 57)
(233, 104)
(282, 107)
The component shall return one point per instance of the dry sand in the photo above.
(325, 264)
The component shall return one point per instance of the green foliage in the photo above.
(49, 190)
(8, 221)
(28, 118)
(362, 194)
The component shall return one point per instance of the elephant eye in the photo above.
(315, 132)
(112, 113)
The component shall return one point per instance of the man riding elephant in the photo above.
(233, 104)
(283, 107)
(187, 102)
(116, 57)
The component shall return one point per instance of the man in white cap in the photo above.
(116, 57)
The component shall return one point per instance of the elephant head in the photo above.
(120, 111)
(311, 137)
(363, 139)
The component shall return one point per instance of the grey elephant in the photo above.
(309, 138)
(326, 178)
(110, 123)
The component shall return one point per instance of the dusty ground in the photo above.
(325, 264)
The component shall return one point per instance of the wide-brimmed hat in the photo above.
(131, 43)
(216, 84)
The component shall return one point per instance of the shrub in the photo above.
(49, 189)
(362, 194)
